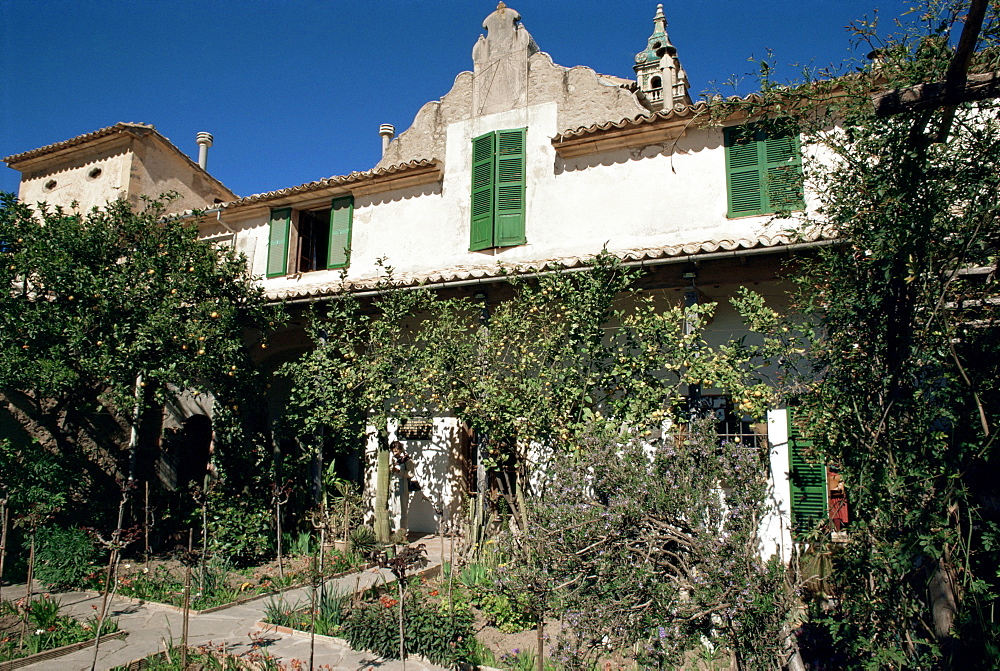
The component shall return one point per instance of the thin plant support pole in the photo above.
(27, 596)
(346, 518)
(204, 530)
(277, 526)
(111, 581)
(540, 657)
(322, 556)
(402, 638)
(312, 612)
(145, 522)
(186, 616)
(100, 623)
(4, 519)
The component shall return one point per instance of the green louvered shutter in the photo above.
(743, 171)
(808, 479)
(509, 217)
(277, 242)
(341, 219)
(482, 192)
(783, 160)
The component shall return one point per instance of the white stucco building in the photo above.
(523, 163)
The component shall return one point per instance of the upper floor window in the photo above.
(307, 240)
(498, 189)
(763, 170)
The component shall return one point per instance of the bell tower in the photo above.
(658, 71)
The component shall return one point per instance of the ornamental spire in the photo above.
(662, 81)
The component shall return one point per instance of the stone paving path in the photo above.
(150, 625)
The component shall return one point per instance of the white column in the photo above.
(775, 528)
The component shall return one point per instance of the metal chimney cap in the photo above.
(205, 138)
(387, 129)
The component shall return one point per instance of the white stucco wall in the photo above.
(73, 180)
(652, 197)
(436, 468)
(775, 528)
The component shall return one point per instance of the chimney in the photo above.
(387, 131)
(204, 142)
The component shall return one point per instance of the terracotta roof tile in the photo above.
(673, 253)
(663, 116)
(139, 128)
(320, 184)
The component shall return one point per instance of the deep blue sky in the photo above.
(294, 91)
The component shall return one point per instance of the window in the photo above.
(763, 170)
(498, 189)
(320, 239)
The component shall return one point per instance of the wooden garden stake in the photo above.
(4, 515)
(187, 613)
(312, 610)
(146, 523)
(111, 580)
(187, 602)
(402, 639)
(27, 596)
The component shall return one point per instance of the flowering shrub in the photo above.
(649, 548)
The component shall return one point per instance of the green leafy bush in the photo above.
(439, 631)
(508, 615)
(63, 556)
(240, 533)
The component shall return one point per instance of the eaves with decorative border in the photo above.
(414, 173)
(27, 161)
(137, 129)
(466, 275)
(640, 131)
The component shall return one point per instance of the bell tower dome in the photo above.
(658, 71)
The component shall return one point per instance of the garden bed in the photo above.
(162, 582)
(441, 627)
(204, 657)
(47, 633)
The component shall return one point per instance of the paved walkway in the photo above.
(151, 626)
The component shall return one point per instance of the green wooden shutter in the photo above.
(481, 236)
(783, 161)
(509, 217)
(277, 242)
(807, 478)
(341, 220)
(743, 180)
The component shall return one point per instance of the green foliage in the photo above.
(440, 631)
(301, 545)
(239, 532)
(36, 483)
(507, 614)
(362, 540)
(900, 386)
(47, 629)
(671, 531)
(112, 309)
(63, 556)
